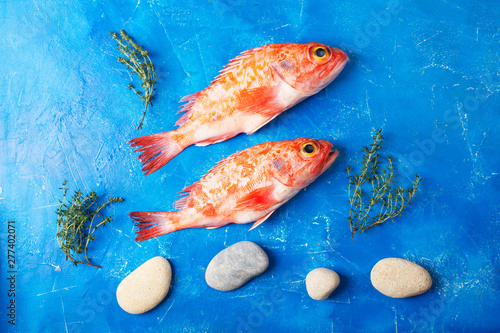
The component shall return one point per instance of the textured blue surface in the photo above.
(427, 72)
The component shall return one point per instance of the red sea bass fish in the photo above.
(245, 187)
(249, 92)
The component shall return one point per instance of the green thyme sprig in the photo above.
(388, 200)
(138, 61)
(77, 222)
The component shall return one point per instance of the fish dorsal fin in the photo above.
(181, 203)
(260, 221)
(259, 199)
(191, 100)
(184, 193)
(236, 62)
(253, 100)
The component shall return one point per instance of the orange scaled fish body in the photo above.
(249, 92)
(244, 187)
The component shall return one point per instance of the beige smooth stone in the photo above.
(400, 278)
(321, 282)
(146, 287)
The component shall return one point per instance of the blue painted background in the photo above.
(426, 72)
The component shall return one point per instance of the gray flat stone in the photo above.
(236, 265)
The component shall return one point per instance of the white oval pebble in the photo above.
(146, 287)
(321, 282)
(400, 278)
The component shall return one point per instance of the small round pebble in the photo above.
(146, 287)
(400, 278)
(236, 265)
(321, 282)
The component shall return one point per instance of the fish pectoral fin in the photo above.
(210, 228)
(260, 221)
(259, 199)
(261, 100)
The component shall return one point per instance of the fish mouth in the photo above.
(338, 52)
(333, 69)
(337, 65)
(330, 158)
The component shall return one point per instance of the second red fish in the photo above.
(244, 187)
(249, 92)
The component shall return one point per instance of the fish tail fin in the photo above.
(157, 149)
(154, 224)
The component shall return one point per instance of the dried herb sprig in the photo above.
(138, 61)
(77, 222)
(389, 201)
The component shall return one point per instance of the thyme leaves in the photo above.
(373, 190)
(77, 221)
(137, 60)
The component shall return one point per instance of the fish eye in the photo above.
(308, 149)
(320, 53)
